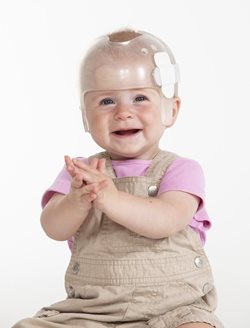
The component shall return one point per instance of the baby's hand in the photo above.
(81, 192)
(106, 192)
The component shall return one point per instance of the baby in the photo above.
(134, 215)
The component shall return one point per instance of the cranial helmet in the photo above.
(127, 60)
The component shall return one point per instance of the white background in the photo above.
(41, 44)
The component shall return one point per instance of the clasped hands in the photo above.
(90, 183)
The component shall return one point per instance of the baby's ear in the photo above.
(170, 110)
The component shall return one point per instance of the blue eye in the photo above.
(140, 98)
(107, 101)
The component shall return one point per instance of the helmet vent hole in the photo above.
(123, 36)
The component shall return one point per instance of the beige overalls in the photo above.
(117, 278)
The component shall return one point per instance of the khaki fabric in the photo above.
(117, 278)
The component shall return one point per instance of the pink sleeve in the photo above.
(187, 175)
(61, 185)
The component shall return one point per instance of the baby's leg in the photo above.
(60, 321)
(34, 323)
(196, 325)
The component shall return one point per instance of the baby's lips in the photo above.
(126, 131)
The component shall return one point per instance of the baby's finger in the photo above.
(70, 165)
(91, 197)
(102, 165)
(81, 165)
(93, 163)
(94, 187)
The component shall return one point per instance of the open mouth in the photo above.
(128, 132)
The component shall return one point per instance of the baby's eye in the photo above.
(107, 101)
(140, 98)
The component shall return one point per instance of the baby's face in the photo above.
(127, 123)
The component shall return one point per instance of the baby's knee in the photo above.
(24, 323)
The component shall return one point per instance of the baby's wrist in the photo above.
(110, 204)
(77, 203)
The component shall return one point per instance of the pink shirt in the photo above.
(183, 175)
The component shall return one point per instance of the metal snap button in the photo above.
(152, 190)
(154, 294)
(198, 261)
(206, 288)
(76, 267)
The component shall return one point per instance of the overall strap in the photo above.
(156, 170)
(160, 164)
(109, 168)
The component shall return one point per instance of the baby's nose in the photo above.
(123, 112)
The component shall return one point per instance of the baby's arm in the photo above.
(64, 214)
(155, 218)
